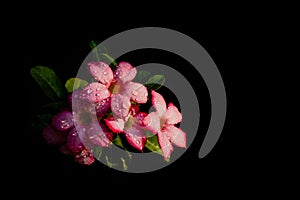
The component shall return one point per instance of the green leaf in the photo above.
(100, 53)
(75, 83)
(142, 76)
(117, 141)
(125, 167)
(153, 145)
(49, 82)
(109, 58)
(155, 82)
(109, 163)
(97, 152)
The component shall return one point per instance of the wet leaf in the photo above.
(155, 82)
(75, 83)
(49, 82)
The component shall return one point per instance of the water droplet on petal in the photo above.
(137, 141)
(98, 95)
(136, 99)
(98, 89)
(95, 71)
(145, 94)
(135, 93)
(104, 73)
(89, 91)
(124, 105)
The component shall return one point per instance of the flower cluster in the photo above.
(109, 106)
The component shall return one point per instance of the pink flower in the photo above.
(132, 128)
(162, 123)
(118, 85)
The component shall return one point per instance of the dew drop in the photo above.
(89, 91)
(98, 95)
(119, 111)
(95, 71)
(138, 142)
(135, 93)
(124, 105)
(104, 73)
(98, 89)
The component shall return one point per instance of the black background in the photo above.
(62, 43)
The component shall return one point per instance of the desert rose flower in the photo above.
(162, 123)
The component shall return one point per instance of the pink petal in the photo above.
(101, 72)
(120, 106)
(84, 157)
(136, 91)
(97, 135)
(152, 122)
(53, 136)
(135, 137)
(139, 118)
(165, 145)
(95, 92)
(74, 143)
(125, 72)
(159, 103)
(116, 126)
(172, 116)
(63, 121)
(175, 135)
(134, 110)
(102, 107)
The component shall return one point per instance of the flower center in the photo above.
(114, 88)
(162, 122)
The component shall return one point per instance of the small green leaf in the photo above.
(142, 76)
(117, 141)
(97, 152)
(100, 53)
(75, 83)
(107, 57)
(153, 145)
(155, 82)
(49, 82)
(109, 163)
(125, 167)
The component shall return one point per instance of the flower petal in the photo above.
(74, 143)
(165, 145)
(53, 136)
(116, 126)
(135, 137)
(136, 91)
(172, 115)
(63, 121)
(175, 135)
(95, 92)
(101, 72)
(125, 72)
(152, 122)
(84, 157)
(139, 118)
(98, 135)
(102, 107)
(120, 105)
(134, 110)
(159, 103)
